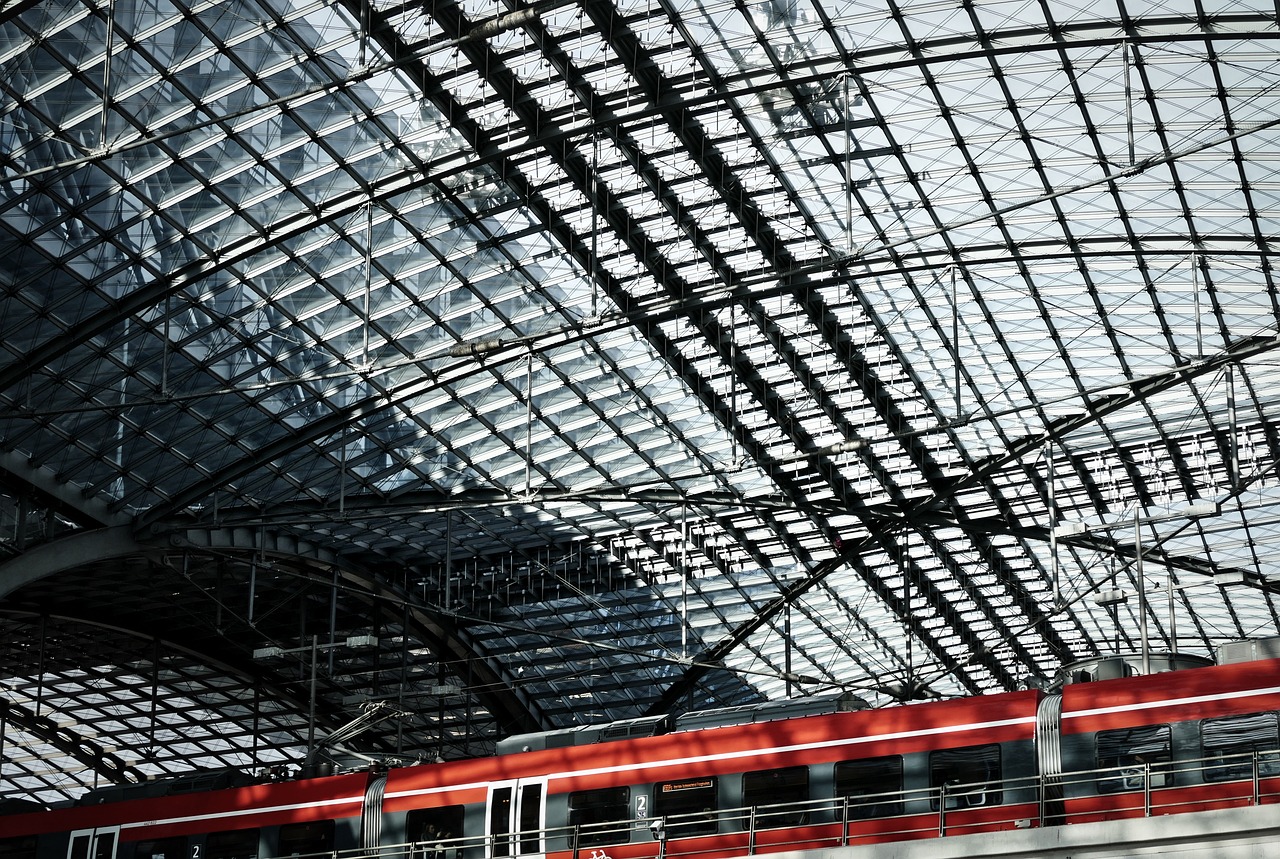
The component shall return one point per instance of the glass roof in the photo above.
(519, 366)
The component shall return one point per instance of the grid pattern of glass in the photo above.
(384, 379)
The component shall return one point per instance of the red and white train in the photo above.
(733, 783)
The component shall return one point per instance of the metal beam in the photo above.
(77, 549)
(18, 470)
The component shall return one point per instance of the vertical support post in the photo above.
(368, 278)
(528, 428)
(1142, 596)
(1195, 291)
(366, 24)
(257, 720)
(1053, 528)
(448, 559)
(155, 691)
(106, 73)
(1257, 786)
(20, 522)
(593, 188)
(253, 586)
(786, 647)
(848, 171)
(44, 621)
(1128, 102)
(164, 356)
(955, 336)
(1233, 478)
(733, 380)
(684, 583)
(311, 708)
(333, 619)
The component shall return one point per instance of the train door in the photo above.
(99, 843)
(517, 819)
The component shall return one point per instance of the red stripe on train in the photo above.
(189, 814)
(1175, 696)
(728, 750)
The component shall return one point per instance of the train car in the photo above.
(807, 774)
(771, 782)
(1171, 742)
(241, 822)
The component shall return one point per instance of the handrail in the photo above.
(835, 821)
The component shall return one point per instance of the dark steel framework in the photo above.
(378, 379)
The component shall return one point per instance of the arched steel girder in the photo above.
(47, 489)
(932, 510)
(511, 706)
(517, 98)
(1138, 390)
(154, 293)
(249, 673)
(947, 48)
(83, 750)
(72, 551)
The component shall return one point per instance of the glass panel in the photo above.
(531, 818)
(1236, 740)
(22, 847)
(500, 820)
(162, 848)
(969, 777)
(873, 786)
(690, 806)
(1132, 751)
(602, 816)
(765, 788)
(104, 845)
(299, 839)
(427, 828)
(235, 844)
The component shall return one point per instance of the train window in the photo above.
(1129, 753)
(689, 806)
(500, 820)
(233, 844)
(602, 816)
(426, 828)
(530, 818)
(782, 787)
(968, 777)
(301, 839)
(873, 786)
(1230, 746)
(162, 848)
(21, 847)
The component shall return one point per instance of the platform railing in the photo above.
(1142, 790)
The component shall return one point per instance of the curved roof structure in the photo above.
(378, 380)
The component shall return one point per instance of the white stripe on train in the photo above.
(688, 761)
(1172, 702)
(745, 753)
(245, 812)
